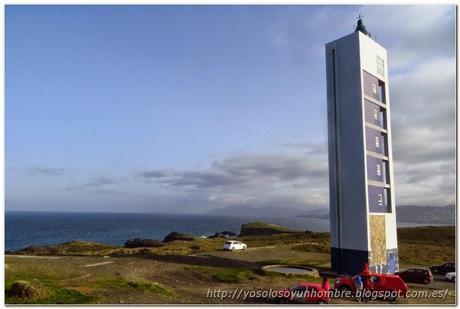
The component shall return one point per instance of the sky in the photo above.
(192, 108)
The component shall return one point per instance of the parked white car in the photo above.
(233, 245)
(450, 276)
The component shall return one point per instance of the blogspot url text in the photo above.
(245, 294)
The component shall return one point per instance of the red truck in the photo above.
(378, 285)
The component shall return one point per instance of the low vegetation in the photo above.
(75, 247)
(42, 292)
(320, 247)
(233, 275)
(258, 228)
(426, 246)
(182, 271)
(117, 282)
(142, 243)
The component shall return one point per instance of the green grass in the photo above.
(57, 296)
(422, 246)
(428, 235)
(425, 246)
(58, 286)
(153, 288)
(117, 282)
(272, 262)
(70, 248)
(232, 275)
(425, 255)
(318, 247)
(260, 224)
(67, 296)
(46, 277)
(222, 274)
(68, 283)
(51, 294)
(235, 275)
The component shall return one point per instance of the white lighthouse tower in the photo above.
(361, 185)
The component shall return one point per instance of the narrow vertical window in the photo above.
(385, 175)
(380, 66)
(374, 88)
(376, 114)
(380, 199)
(377, 142)
(379, 171)
(386, 198)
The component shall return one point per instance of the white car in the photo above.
(233, 245)
(450, 276)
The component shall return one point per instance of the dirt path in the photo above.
(32, 257)
(263, 247)
(98, 264)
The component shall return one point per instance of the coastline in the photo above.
(40, 228)
(182, 271)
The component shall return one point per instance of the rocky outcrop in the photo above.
(263, 229)
(70, 248)
(223, 234)
(177, 236)
(142, 243)
(26, 290)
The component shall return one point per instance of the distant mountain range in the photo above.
(406, 213)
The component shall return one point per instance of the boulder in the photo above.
(142, 243)
(177, 236)
(215, 235)
(228, 233)
(24, 289)
(223, 234)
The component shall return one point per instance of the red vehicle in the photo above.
(416, 275)
(374, 282)
(304, 292)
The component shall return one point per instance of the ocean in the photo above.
(23, 229)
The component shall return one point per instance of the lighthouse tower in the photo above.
(361, 185)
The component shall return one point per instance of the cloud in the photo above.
(423, 123)
(421, 48)
(101, 184)
(420, 40)
(101, 181)
(46, 171)
(298, 180)
(279, 167)
(154, 174)
(413, 34)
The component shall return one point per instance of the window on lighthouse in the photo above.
(379, 171)
(380, 199)
(377, 142)
(380, 66)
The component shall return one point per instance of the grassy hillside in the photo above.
(426, 245)
(417, 245)
(259, 228)
(182, 271)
